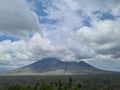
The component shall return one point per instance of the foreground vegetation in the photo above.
(83, 82)
(58, 85)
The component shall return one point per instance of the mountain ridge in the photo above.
(54, 66)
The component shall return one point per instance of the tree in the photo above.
(78, 86)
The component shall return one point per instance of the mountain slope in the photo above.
(54, 66)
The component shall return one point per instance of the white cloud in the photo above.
(116, 10)
(23, 52)
(103, 38)
(98, 42)
(17, 19)
(13, 51)
(38, 43)
(68, 38)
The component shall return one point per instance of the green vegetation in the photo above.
(58, 85)
(77, 82)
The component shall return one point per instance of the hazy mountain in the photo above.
(54, 66)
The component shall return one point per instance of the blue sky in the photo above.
(72, 30)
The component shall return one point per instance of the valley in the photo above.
(87, 82)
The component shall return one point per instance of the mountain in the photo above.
(54, 66)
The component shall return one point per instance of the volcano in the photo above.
(55, 66)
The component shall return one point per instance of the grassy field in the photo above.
(76, 82)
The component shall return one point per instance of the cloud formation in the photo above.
(73, 30)
(16, 18)
(87, 28)
(103, 37)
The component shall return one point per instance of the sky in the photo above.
(71, 30)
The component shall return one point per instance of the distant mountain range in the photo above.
(54, 66)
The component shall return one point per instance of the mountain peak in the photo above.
(52, 64)
(50, 59)
(84, 64)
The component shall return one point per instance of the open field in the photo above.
(86, 82)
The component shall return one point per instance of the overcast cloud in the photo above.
(73, 30)
(17, 19)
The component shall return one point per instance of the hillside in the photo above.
(54, 66)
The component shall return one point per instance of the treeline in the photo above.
(64, 84)
(57, 85)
